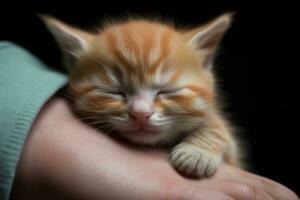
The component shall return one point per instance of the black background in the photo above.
(255, 64)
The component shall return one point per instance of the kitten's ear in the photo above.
(206, 38)
(72, 41)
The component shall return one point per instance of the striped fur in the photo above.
(152, 67)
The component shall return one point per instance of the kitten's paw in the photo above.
(194, 161)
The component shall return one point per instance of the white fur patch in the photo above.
(184, 80)
(142, 101)
(156, 117)
(199, 103)
(186, 92)
(192, 160)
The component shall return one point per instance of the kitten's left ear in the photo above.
(207, 38)
(72, 41)
(69, 38)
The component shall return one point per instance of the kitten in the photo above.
(153, 84)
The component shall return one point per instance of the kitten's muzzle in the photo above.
(140, 117)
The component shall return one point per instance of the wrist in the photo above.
(35, 157)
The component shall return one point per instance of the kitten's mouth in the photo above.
(140, 129)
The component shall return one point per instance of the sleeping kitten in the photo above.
(153, 84)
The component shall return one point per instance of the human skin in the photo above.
(65, 159)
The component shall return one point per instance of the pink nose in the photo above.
(140, 116)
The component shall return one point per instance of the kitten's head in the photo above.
(147, 80)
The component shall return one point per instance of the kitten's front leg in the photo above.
(197, 156)
(201, 153)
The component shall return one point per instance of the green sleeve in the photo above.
(25, 85)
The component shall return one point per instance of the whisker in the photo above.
(106, 128)
(91, 117)
(179, 131)
(94, 123)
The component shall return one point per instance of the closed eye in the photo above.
(112, 91)
(120, 93)
(168, 91)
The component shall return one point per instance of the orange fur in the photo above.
(126, 59)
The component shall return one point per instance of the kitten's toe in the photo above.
(194, 161)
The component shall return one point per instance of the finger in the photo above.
(239, 190)
(272, 188)
(194, 193)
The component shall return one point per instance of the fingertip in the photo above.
(277, 190)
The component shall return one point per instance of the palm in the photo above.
(65, 159)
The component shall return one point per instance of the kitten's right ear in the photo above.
(206, 38)
(72, 41)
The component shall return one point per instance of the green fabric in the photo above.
(25, 85)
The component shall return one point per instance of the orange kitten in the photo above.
(152, 84)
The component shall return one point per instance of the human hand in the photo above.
(65, 159)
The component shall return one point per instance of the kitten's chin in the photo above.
(144, 138)
(141, 136)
